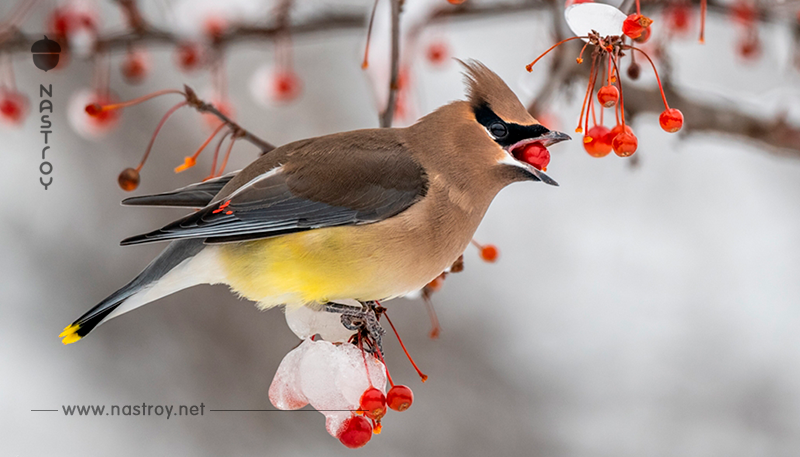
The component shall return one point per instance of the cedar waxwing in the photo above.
(367, 215)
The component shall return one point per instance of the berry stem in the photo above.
(155, 133)
(435, 327)
(216, 155)
(638, 7)
(580, 56)
(225, 159)
(589, 87)
(619, 83)
(592, 83)
(391, 383)
(365, 62)
(100, 108)
(422, 375)
(364, 356)
(652, 64)
(529, 67)
(191, 160)
(703, 7)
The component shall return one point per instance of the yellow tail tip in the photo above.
(70, 334)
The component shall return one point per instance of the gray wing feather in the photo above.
(193, 196)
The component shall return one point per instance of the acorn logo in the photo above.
(45, 54)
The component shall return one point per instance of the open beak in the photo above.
(535, 164)
(552, 137)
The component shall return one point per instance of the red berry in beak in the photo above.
(400, 397)
(671, 120)
(355, 432)
(536, 155)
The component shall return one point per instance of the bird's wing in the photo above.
(192, 196)
(320, 184)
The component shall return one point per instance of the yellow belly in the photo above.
(305, 267)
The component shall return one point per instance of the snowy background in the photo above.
(634, 311)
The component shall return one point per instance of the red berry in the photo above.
(128, 179)
(634, 70)
(625, 143)
(536, 155)
(355, 432)
(286, 86)
(608, 95)
(59, 22)
(644, 36)
(103, 119)
(135, 67)
(400, 397)
(437, 53)
(677, 18)
(597, 141)
(189, 56)
(750, 46)
(744, 12)
(671, 120)
(489, 253)
(569, 3)
(93, 109)
(13, 107)
(215, 27)
(617, 129)
(436, 284)
(456, 2)
(373, 403)
(634, 25)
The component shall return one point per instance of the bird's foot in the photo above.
(363, 319)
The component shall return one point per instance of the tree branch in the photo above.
(394, 83)
(237, 130)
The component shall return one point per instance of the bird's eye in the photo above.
(498, 130)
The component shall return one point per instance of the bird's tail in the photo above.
(175, 269)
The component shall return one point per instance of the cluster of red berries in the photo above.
(607, 54)
(358, 430)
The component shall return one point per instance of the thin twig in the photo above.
(238, 131)
(394, 82)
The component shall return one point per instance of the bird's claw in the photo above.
(362, 318)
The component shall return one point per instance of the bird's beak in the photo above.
(545, 140)
(552, 137)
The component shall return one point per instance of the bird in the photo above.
(365, 215)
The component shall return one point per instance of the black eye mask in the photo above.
(506, 133)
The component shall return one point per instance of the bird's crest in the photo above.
(484, 88)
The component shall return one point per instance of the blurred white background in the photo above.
(633, 311)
